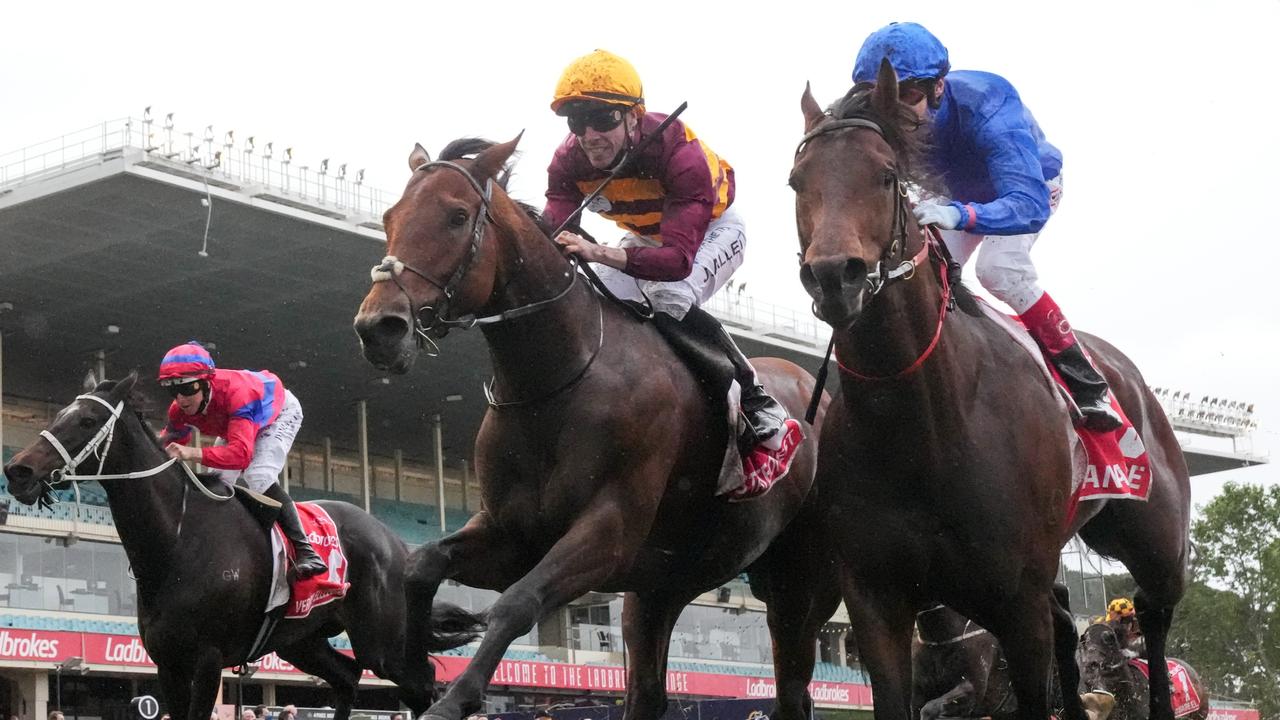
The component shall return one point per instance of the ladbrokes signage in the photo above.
(36, 645)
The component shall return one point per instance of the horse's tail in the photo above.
(452, 627)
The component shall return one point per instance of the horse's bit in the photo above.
(392, 267)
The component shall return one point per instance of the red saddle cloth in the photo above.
(1184, 698)
(307, 594)
(1116, 464)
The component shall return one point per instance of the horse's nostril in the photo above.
(382, 329)
(18, 472)
(855, 271)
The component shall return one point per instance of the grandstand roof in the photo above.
(110, 238)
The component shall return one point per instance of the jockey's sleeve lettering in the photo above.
(669, 194)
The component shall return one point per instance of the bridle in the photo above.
(426, 333)
(437, 323)
(902, 268)
(98, 446)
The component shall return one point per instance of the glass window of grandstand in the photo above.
(42, 573)
(593, 628)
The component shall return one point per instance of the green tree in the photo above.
(1228, 621)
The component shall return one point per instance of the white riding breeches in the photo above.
(720, 254)
(270, 449)
(1004, 265)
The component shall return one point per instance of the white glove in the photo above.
(944, 216)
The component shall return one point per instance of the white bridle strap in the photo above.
(107, 429)
(105, 434)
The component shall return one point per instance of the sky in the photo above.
(1165, 243)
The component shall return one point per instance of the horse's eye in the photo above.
(889, 179)
(458, 218)
(88, 422)
(1109, 639)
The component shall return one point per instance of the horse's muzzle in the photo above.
(387, 341)
(838, 286)
(24, 483)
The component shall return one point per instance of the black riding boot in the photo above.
(716, 359)
(1088, 388)
(306, 562)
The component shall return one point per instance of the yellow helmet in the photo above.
(599, 77)
(1120, 608)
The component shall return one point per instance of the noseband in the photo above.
(438, 323)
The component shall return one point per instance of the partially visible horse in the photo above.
(946, 457)
(958, 669)
(204, 567)
(599, 456)
(1105, 666)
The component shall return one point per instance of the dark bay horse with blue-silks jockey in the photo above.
(599, 456)
(203, 565)
(946, 460)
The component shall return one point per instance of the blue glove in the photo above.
(944, 216)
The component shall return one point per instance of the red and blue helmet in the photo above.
(912, 50)
(186, 363)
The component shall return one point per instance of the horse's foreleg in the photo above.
(1154, 621)
(801, 594)
(647, 620)
(206, 679)
(316, 657)
(1027, 635)
(1064, 644)
(175, 687)
(579, 561)
(478, 555)
(882, 624)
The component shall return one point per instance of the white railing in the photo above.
(224, 158)
(766, 317)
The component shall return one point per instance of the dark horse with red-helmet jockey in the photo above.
(946, 465)
(599, 456)
(203, 564)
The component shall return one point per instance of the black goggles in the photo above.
(185, 389)
(598, 120)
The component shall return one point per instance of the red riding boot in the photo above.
(1052, 332)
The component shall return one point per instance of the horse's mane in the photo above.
(468, 147)
(910, 146)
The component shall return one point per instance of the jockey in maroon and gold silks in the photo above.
(669, 194)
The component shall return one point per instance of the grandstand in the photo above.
(117, 243)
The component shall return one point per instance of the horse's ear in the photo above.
(418, 157)
(90, 382)
(491, 162)
(885, 97)
(123, 388)
(812, 111)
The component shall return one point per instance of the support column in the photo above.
(842, 658)
(1, 396)
(466, 478)
(438, 427)
(327, 483)
(100, 364)
(399, 458)
(362, 410)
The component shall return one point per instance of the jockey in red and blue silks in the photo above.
(255, 420)
(1004, 180)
